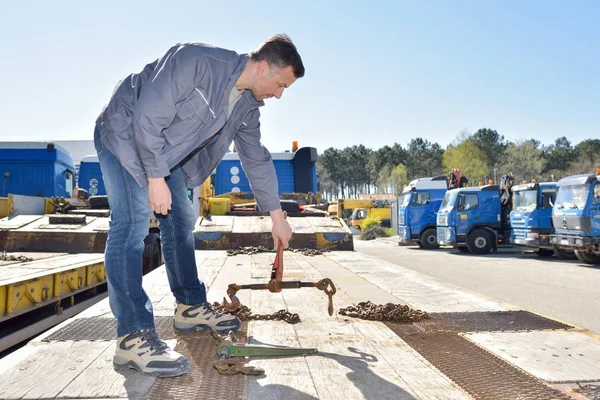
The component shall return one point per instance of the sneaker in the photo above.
(203, 317)
(145, 352)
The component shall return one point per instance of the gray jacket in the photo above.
(174, 113)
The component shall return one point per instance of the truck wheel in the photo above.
(545, 252)
(429, 239)
(480, 242)
(462, 249)
(587, 258)
(564, 254)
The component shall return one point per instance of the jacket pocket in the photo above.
(196, 105)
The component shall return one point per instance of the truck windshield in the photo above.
(449, 200)
(572, 197)
(405, 199)
(525, 200)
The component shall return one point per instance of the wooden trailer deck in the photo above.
(357, 359)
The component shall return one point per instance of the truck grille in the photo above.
(517, 222)
(519, 233)
(572, 223)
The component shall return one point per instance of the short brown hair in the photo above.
(279, 50)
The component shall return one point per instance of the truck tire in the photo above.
(480, 242)
(462, 249)
(587, 258)
(429, 239)
(564, 254)
(545, 252)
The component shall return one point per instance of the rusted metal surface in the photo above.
(490, 322)
(233, 240)
(203, 381)
(98, 328)
(477, 371)
(53, 241)
(232, 232)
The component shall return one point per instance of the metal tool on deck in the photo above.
(276, 284)
(228, 348)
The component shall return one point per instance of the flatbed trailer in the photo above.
(469, 347)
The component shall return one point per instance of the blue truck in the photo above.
(531, 216)
(475, 219)
(576, 216)
(39, 169)
(296, 172)
(89, 177)
(531, 219)
(417, 209)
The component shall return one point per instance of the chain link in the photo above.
(244, 313)
(262, 249)
(383, 312)
(10, 257)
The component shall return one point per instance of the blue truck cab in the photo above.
(417, 208)
(36, 169)
(90, 176)
(531, 216)
(296, 172)
(576, 216)
(473, 219)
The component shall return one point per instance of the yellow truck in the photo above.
(355, 211)
(360, 214)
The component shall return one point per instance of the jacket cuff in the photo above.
(157, 172)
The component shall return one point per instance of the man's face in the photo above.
(271, 81)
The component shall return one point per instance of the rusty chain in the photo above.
(244, 313)
(383, 312)
(261, 249)
(10, 257)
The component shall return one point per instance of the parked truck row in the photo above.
(560, 218)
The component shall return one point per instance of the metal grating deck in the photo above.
(203, 381)
(477, 371)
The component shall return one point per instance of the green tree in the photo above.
(469, 158)
(559, 157)
(589, 151)
(492, 144)
(423, 158)
(524, 160)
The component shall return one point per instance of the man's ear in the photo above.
(262, 68)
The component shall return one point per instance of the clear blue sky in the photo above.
(377, 72)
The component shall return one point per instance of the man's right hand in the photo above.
(159, 195)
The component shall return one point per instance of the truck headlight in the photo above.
(533, 235)
(442, 220)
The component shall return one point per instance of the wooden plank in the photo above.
(100, 380)
(33, 255)
(14, 273)
(156, 283)
(48, 368)
(554, 356)
(222, 223)
(18, 221)
(420, 291)
(353, 362)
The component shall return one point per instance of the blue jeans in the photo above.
(129, 224)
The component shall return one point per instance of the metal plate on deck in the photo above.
(202, 382)
(231, 232)
(477, 371)
(98, 328)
